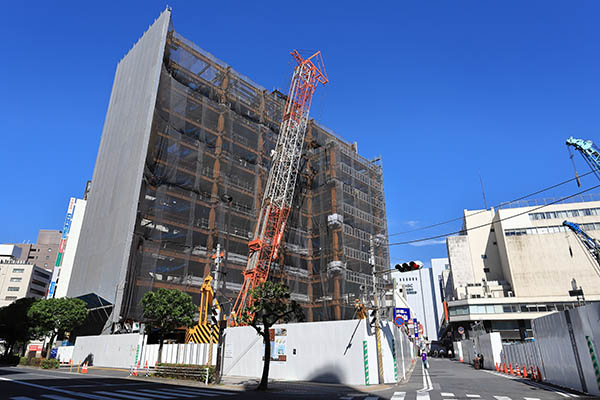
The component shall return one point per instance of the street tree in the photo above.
(51, 317)
(270, 304)
(15, 325)
(165, 310)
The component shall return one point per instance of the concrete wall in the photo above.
(490, 346)
(118, 351)
(321, 351)
(190, 353)
(459, 253)
(106, 237)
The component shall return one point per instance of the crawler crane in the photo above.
(279, 190)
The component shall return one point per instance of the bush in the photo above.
(31, 361)
(50, 364)
(9, 360)
(186, 371)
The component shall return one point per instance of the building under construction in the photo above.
(184, 157)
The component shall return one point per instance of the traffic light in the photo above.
(409, 266)
(373, 317)
(214, 315)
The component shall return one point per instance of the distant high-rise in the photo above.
(183, 160)
(44, 251)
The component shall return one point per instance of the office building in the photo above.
(18, 278)
(183, 160)
(44, 251)
(518, 263)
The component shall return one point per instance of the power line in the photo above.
(493, 222)
(497, 206)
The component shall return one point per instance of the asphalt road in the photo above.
(444, 380)
(450, 380)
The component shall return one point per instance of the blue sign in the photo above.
(416, 324)
(403, 312)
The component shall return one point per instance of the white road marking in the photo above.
(422, 395)
(125, 396)
(57, 397)
(398, 395)
(531, 398)
(444, 394)
(474, 396)
(21, 398)
(196, 391)
(184, 393)
(85, 395)
(502, 398)
(152, 393)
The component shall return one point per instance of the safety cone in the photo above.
(511, 370)
(524, 371)
(84, 368)
(135, 368)
(518, 370)
(497, 368)
(539, 375)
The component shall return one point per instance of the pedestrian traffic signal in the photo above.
(409, 266)
(373, 317)
(214, 315)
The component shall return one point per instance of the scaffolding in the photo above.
(212, 137)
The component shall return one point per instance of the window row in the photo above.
(593, 226)
(564, 214)
(510, 308)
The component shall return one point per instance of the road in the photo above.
(450, 380)
(444, 380)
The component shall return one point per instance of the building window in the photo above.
(36, 282)
(38, 273)
(46, 265)
(10, 298)
(13, 289)
(49, 250)
(38, 292)
(484, 256)
(18, 270)
(47, 257)
(486, 270)
(16, 279)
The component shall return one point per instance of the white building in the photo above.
(18, 279)
(518, 263)
(68, 247)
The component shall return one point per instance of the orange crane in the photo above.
(279, 191)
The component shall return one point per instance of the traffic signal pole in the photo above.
(376, 305)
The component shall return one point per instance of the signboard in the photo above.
(399, 320)
(62, 246)
(404, 312)
(34, 347)
(278, 339)
(461, 330)
(416, 325)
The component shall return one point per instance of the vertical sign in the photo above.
(61, 247)
(416, 326)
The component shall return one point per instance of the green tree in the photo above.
(271, 303)
(15, 325)
(51, 317)
(166, 310)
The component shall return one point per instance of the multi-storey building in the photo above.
(183, 160)
(18, 278)
(44, 251)
(518, 263)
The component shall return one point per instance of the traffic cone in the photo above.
(518, 370)
(497, 369)
(84, 368)
(524, 371)
(146, 365)
(539, 375)
(505, 369)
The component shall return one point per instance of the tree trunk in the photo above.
(50, 346)
(264, 381)
(160, 346)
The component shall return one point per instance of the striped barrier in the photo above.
(594, 358)
(366, 359)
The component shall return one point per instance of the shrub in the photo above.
(9, 360)
(189, 371)
(31, 361)
(50, 364)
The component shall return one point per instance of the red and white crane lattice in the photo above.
(279, 191)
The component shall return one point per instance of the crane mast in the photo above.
(591, 244)
(279, 190)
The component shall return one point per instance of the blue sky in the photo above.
(445, 91)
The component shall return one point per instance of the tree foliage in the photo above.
(15, 325)
(270, 304)
(51, 317)
(167, 309)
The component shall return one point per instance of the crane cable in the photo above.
(493, 222)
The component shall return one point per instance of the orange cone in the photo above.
(511, 370)
(497, 369)
(505, 369)
(539, 375)
(518, 370)
(524, 371)
(146, 365)
(84, 368)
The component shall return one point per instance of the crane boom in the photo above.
(279, 190)
(589, 242)
(588, 150)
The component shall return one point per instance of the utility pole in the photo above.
(376, 305)
(218, 257)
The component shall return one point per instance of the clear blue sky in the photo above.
(444, 91)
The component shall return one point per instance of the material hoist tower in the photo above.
(279, 190)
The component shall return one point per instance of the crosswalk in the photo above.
(159, 393)
(429, 395)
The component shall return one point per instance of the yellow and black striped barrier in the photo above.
(202, 334)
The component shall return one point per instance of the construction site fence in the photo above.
(187, 354)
